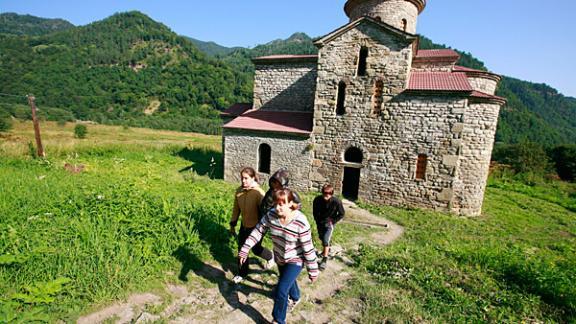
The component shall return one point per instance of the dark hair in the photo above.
(282, 195)
(250, 171)
(327, 188)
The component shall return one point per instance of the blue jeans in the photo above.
(287, 286)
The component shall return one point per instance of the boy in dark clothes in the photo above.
(279, 180)
(328, 211)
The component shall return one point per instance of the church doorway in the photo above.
(353, 158)
(351, 183)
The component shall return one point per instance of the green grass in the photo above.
(150, 207)
(515, 263)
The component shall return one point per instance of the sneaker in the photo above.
(269, 264)
(322, 265)
(292, 304)
(237, 279)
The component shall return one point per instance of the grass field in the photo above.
(71, 242)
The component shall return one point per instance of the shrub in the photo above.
(525, 157)
(5, 124)
(80, 131)
(564, 157)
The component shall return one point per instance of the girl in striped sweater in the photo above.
(293, 248)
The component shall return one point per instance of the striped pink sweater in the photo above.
(292, 242)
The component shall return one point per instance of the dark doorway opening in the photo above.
(351, 183)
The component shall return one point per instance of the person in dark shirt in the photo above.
(328, 211)
(279, 180)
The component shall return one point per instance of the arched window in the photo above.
(362, 57)
(353, 155)
(377, 97)
(341, 99)
(404, 24)
(264, 152)
(378, 18)
(421, 165)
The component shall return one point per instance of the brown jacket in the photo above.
(247, 202)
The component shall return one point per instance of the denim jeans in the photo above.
(287, 287)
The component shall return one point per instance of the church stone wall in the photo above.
(391, 144)
(480, 124)
(432, 67)
(291, 151)
(483, 84)
(285, 87)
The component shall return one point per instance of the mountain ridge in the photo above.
(147, 63)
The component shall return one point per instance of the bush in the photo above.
(564, 157)
(5, 124)
(525, 157)
(80, 131)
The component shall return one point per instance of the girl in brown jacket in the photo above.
(247, 202)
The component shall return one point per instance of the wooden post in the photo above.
(39, 147)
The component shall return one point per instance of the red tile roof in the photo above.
(236, 109)
(274, 121)
(482, 95)
(477, 73)
(438, 81)
(437, 53)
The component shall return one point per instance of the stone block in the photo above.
(450, 160)
(446, 195)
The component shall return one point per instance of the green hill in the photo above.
(213, 49)
(129, 69)
(126, 69)
(14, 24)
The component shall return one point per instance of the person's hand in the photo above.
(242, 260)
(232, 230)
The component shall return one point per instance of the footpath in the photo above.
(211, 297)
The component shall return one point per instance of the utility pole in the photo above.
(41, 153)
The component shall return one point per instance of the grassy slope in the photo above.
(516, 263)
(137, 214)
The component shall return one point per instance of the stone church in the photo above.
(372, 114)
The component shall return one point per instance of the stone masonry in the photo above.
(285, 86)
(409, 127)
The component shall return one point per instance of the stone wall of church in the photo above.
(486, 85)
(240, 149)
(391, 143)
(480, 123)
(432, 67)
(390, 137)
(285, 86)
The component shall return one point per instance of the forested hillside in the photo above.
(125, 69)
(129, 69)
(14, 24)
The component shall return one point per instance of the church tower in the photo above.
(402, 14)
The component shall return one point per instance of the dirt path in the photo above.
(211, 297)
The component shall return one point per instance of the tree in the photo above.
(5, 124)
(80, 131)
(564, 157)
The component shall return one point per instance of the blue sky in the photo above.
(530, 40)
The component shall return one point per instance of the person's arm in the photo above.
(235, 214)
(341, 211)
(316, 209)
(255, 237)
(264, 204)
(305, 239)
